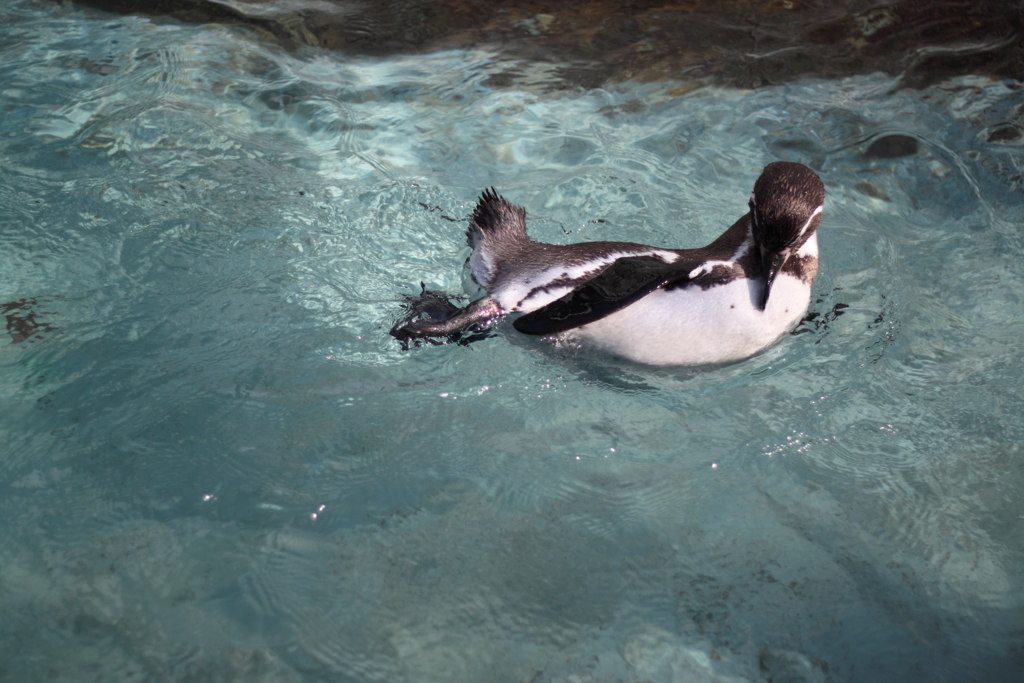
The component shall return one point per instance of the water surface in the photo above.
(216, 464)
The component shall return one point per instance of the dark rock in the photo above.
(870, 190)
(1004, 133)
(745, 43)
(892, 147)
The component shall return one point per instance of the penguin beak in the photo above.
(771, 264)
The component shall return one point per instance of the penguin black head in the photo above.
(785, 210)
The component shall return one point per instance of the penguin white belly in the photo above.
(691, 326)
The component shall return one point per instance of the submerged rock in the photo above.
(746, 43)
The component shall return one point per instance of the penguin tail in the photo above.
(497, 231)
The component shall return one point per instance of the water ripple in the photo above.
(205, 238)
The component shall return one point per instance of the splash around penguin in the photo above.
(724, 302)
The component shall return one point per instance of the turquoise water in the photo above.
(215, 464)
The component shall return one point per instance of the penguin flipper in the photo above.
(624, 282)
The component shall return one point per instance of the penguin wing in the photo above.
(625, 281)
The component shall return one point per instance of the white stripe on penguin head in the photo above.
(816, 212)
